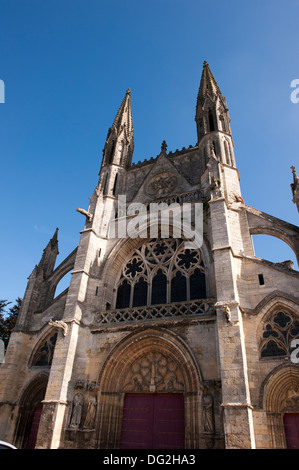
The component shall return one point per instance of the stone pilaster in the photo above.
(238, 423)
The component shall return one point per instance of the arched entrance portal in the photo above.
(281, 402)
(149, 377)
(30, 412)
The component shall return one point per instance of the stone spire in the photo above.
(208, 86)
(119, 144)
(49, 256)
(212, 118)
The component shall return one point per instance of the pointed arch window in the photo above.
(44, 354)
(159, 288)
(161, 271)
(278, 332)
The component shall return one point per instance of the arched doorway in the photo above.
(30, 412)
(148, 375)
(281, 402)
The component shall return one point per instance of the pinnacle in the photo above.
(208, 83)
(124, 114)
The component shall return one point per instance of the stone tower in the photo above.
(201, 336)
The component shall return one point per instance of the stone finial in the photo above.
(164, 146)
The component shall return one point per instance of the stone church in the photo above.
(159, 343)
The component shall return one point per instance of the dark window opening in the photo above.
(178, 288)
(261, 279)
(159, 287)
(114, 186)
(211, 122)
(140, 293)
(123, 295)
(272, 349)
(111, 152)
(198, 285)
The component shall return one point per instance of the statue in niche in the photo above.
(208, 414)
(78, 402)
(91, 413)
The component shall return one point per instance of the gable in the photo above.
(162, 180)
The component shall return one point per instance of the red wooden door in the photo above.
(34, 427)
(291, 427)
(153, 421)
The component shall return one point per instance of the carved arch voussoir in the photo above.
(151, 360)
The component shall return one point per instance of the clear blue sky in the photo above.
(66, 65)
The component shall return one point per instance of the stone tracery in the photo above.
(161, 271)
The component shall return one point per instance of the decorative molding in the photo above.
(177, 310)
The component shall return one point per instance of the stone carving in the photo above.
(78, 403)
(154, 372)
(228, 315)
(91, 413)
(88, 215)
(208, 414)
(59, 324)
(84, 407)
(162, 184)
(291, 400)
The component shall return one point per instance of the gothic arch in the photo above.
(124, 249)
(167, 365)
(44, 348)
(273, 302)
(31, 398)
(280, 394)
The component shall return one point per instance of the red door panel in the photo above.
(291, 427)
(153, 421)
(169, 424)
(137, 422)
(34, 427)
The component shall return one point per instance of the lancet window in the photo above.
(161, 271)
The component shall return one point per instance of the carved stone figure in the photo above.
(91, 413)
(77, 411)
(208, 414)
(227, 312)
(59, 324)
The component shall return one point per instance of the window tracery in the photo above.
(161, 271)
(44, 354)
(279, 330)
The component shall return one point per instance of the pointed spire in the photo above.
(124, 116)
(49, 256)
(208, 85)
(119, 144)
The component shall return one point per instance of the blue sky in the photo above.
(66, 66)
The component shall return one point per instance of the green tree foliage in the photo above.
(8, 318)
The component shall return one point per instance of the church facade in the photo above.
(160, 342)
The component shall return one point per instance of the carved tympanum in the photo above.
(154, 372)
